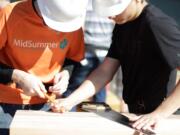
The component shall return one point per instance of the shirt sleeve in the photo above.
(3, 31)
(167, 34)
(113, 51)
(77, 48)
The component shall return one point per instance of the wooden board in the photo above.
(77, 123)
(170, 126)
(71, 123)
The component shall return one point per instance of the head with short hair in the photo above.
(120, 11)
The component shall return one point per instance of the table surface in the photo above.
(46, 123)
(79, 123)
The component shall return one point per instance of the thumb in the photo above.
(57, 78)
(131, 116)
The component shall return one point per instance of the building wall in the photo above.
(171, 7)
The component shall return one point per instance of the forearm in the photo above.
(85, 91)
(17, 75)
(171, 104)
(90, 86)
(95, 81)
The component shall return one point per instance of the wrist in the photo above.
(17, 75)
(65, 72)
(70, 102)
(161, 113)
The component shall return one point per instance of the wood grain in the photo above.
(78, 123)
(71, 123)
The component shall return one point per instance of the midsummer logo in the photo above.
(35, 45)
(63, 44)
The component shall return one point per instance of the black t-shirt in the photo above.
(148, 49)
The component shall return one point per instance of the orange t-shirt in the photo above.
(26, 43)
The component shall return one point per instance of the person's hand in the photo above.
(61, 106)
(147, 121)
(61, 81)
(30, 84)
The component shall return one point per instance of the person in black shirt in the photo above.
(146, 44)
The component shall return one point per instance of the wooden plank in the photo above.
(170, 126)
(78, 123)
(71, 123)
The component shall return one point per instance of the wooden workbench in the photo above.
(78, 123)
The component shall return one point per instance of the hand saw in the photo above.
(104, 110)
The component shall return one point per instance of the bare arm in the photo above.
(172, 103)
(168, 107)
(95, 81)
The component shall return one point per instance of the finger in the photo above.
(54, 106)
(57, 78)
(54, 87)
(136, 120)
(148, 125)
(39, 92)
(31, 92)
(62, 109)
(58, 85)
(148, 128)
(142, 124)
(42, 87)
(59, 109)
(139, 121)
(152, 125)
(62, 76)
(133, 117)
(59, 91)
(54, 109)
(155, 126)
(62, 82)
(50, 89)
(59, 88)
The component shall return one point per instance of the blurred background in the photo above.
(171, 7)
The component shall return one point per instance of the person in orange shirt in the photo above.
(37, 36)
